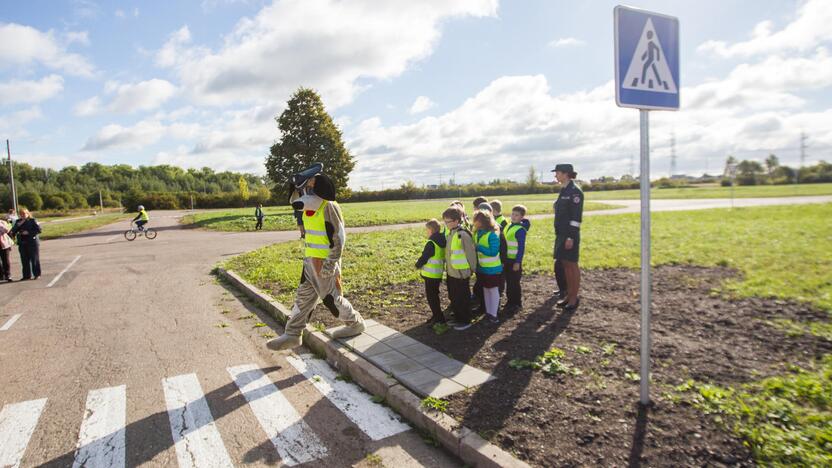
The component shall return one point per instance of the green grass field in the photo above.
(55, 230)
(791, 258)
(783, 252)
(279, 218)
(713, 191)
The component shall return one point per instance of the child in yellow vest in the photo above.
(432, 266)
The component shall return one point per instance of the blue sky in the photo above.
(422, 90)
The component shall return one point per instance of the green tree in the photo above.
(308, 135)
(771, 164)
(243, 185)
(31, 200)
(748, 172)
(729, 162)
(531, 179)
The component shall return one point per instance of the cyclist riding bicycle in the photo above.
(142, 218)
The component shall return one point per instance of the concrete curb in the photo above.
(454, 437)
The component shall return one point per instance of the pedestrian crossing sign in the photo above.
(646, 59)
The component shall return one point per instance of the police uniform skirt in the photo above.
(570, 255)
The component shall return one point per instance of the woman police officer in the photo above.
(569, 209)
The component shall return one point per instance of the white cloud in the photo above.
(516, 122)
(16, 91)
(270, 55)
(141, 135)
(128, 98)
(80, 37)
(23, 45)
(811, 27)
(566, 42)
(136, 12)
(421, 104)
(12, 125)
(120, 13)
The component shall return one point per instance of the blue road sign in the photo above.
(646, 59)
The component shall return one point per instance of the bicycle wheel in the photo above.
(130, 235)
(150, 233)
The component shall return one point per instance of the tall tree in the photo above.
(531, 179)
(771, 164)
(729, 163)
(308, 135)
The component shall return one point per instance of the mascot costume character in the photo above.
(313, 193)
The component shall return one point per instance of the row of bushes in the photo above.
(64, 201)
(182, 200)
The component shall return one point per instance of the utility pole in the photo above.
(11, 176)
(632, 165)
(672, 154)
(100, 201)
(803, 146)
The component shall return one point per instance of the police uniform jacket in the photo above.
(569, 208)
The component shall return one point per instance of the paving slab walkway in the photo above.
(417, 366)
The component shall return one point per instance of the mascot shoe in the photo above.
(348, 330)
(283, 342)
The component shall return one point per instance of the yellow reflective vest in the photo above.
(317, 242)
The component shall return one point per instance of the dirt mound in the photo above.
(588, 416)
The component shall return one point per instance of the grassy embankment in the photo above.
(59, 229)
(279, 218)
(785, 419)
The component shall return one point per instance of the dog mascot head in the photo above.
(310, 187)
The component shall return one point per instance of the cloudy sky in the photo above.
(423, 90)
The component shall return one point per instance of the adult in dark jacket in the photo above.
(27, 230)
(569, 209)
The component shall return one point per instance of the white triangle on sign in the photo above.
(648, 70)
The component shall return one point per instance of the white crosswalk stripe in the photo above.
(294, 440)
(197, 441)
(17, 422)
(101, 441)
(10, 322)
(377, 421)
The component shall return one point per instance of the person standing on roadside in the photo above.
(6, 244)
(569, 209)
(27, 230)
(258, 213)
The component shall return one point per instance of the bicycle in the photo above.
(135, 231)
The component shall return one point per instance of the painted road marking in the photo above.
(377, 421)
(113, 237)
(9, 324)
(195, 436)
(17, 422)
(55, 279)
(294, 440)
(101, 441)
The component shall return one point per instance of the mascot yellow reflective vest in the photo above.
(313, 193)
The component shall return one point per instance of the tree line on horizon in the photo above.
(158, 187)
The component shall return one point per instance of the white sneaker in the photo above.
(462, 326)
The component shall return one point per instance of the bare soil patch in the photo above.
(592, 418)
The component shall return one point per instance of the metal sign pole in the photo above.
(644, 179)
(11, 176)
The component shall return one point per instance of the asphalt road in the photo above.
(135, 355)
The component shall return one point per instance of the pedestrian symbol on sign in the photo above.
(648, 70)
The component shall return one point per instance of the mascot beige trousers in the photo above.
(313, 287)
